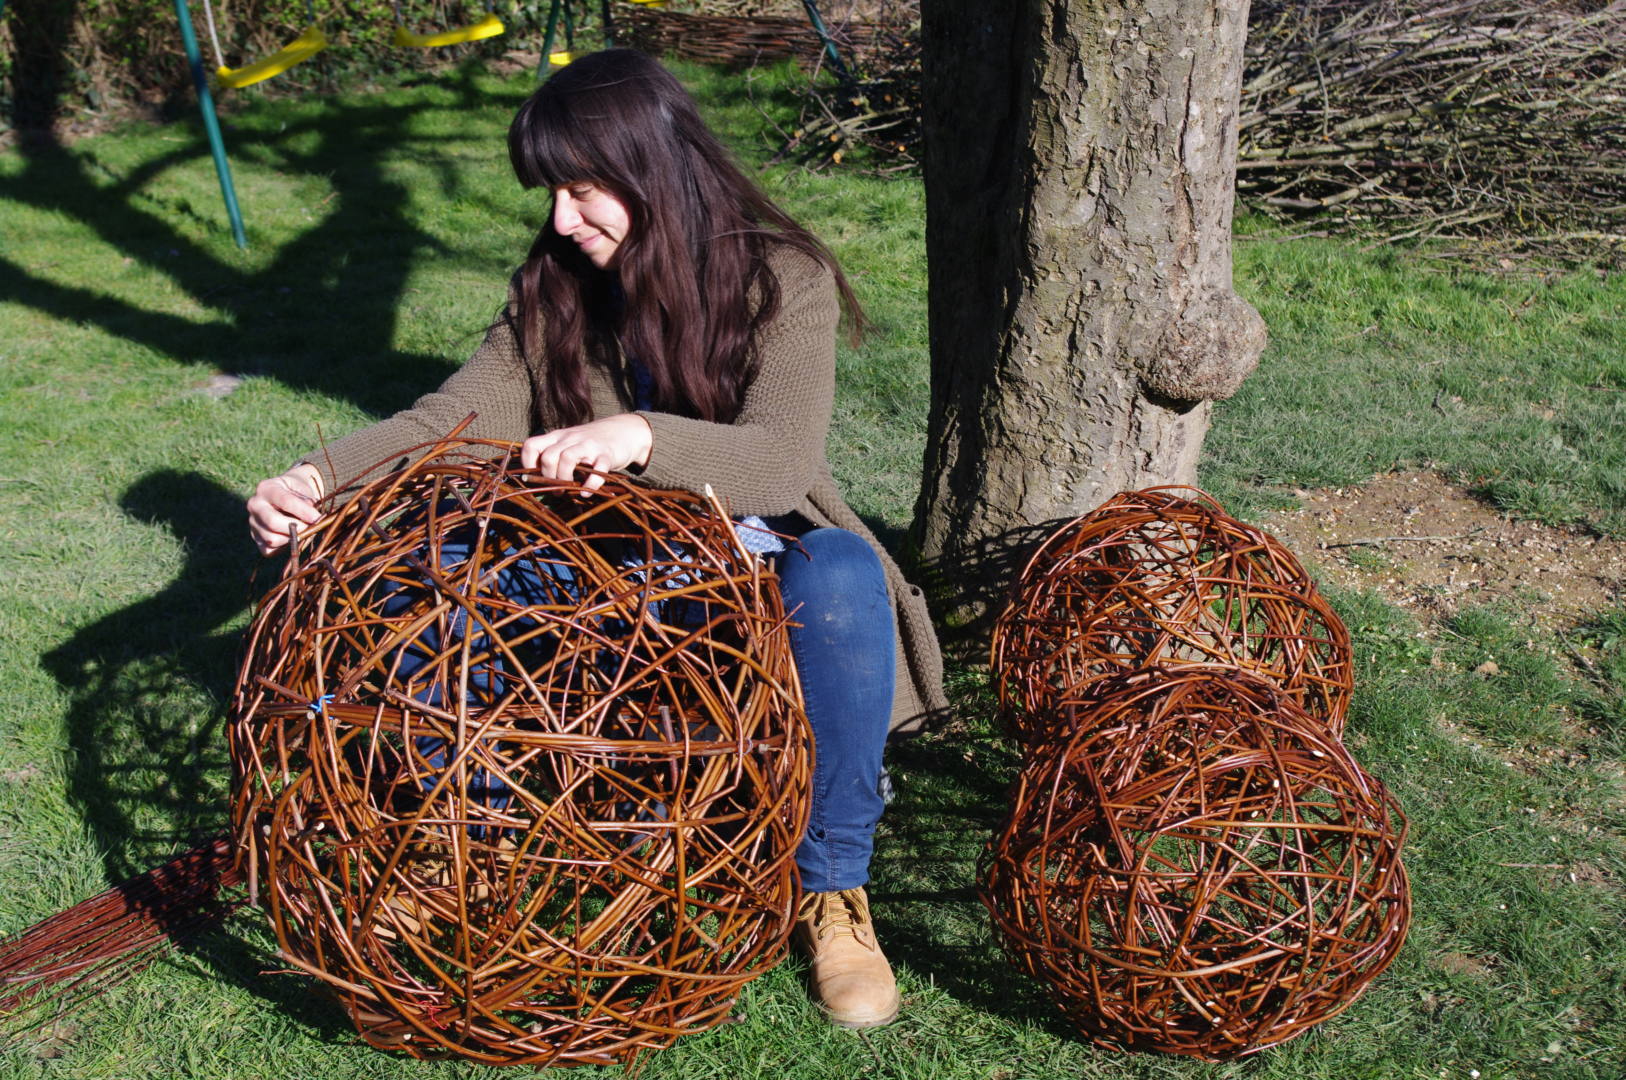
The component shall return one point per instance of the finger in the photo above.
(294, 504)
(532, 449)
(266, 539)
(561, 462)
(572, 460)
(547, 462)
(595, 479)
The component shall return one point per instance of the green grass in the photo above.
(383, 226)
(1515, 386)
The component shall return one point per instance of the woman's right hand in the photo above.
(281, 502)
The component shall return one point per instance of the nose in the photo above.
(565, 214)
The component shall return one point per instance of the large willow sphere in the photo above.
(1164, 577)
(1201, 869)
(520, 773)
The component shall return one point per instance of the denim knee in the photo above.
(842, 637)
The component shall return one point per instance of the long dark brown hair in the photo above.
(695, 284)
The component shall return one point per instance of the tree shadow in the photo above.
(39, 68)
(969, 590)
(321, 315)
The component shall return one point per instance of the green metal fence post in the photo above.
(211, 122)
(829, 42)
(547, 39)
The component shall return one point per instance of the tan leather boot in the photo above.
(851, 978)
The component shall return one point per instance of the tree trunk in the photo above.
(40, 31)
(1080, 170)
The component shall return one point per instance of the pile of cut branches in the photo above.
(872, 106)
(1480, 120)
(1500, 124)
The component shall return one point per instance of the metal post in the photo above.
(829, 42)
(547, 40)
(211, 122)
(609, 28)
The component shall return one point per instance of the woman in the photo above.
(672, 323)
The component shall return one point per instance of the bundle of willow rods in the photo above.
(520, 771)
(1493, 122)
(83, 952)
(739, 40)
(1192, 863)
(876, 102)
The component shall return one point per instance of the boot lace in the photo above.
(833, 913)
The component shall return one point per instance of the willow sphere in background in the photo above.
(1164, 577)
(1201, 869)
(520, 772)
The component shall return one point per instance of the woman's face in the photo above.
(593, 218)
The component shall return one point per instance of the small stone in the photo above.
(220, 386)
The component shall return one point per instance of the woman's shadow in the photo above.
(149, 687)
(148, 684)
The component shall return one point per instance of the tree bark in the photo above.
(40, 30)
(1080, 173)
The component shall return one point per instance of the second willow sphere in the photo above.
(520, 774)
(1201, 869)
(1164, 577)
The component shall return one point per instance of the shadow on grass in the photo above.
(969, 588)
(321, 315)
(148, 687)
(952, 794)
(318, 318)
(148, 684)
(243, 951)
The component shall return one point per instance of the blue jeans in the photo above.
(843, 643)
(845, 653)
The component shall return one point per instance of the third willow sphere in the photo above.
(1201, 869)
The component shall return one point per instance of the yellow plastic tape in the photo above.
(560, 59)
(490, 26)
(301, 48)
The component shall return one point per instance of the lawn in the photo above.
(150, 373)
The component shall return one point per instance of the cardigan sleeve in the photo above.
(495, 384)
(773, 454)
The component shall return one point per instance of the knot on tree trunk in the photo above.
(1207, 350)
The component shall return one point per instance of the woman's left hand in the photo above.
(615, 442)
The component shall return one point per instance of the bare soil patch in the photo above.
(1433, 547)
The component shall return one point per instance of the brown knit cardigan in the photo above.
(769, 461)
